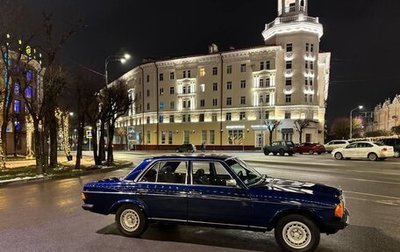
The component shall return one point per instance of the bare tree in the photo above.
(300, 125)
(271, 126)
(115, 102)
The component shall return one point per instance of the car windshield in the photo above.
(247, 174)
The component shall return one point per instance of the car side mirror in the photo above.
(231, 183)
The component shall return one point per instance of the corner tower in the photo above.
(303, 75)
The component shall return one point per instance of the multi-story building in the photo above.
(387, 115)
(224, 98)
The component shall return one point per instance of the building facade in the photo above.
(387, 115)
(224, 99)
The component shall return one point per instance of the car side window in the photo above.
(209, 173)
(173, 172)
(351, 146)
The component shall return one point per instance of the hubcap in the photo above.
(296, 235)
(129, 220)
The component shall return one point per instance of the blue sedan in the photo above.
(219, 191)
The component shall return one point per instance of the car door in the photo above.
(163, 189)
(363, 149)
(350, 151)
(212, 198)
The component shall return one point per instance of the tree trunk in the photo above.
(101, 155)
(53, 139)
(111, 129)
(94, 142)
(300, 136)
(4, 137)
(15, 135)
(81, 133)
(38, 150)
(44, 149)
(270, 137)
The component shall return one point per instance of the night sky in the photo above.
(363, 36)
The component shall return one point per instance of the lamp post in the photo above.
(120, 58)
(351, 119)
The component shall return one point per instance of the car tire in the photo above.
(131, 220)
(338, 156)
(372, 157)
(266, 153)
(281, 152)
(297, 233)
(311, 152)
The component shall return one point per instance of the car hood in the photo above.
(300, 191)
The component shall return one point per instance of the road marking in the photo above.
(373, 181)
(373, 195)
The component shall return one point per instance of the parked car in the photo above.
(186, 148)
(395, 143)
(218, 191)
(279, 147)
(364, 149)
(334, 144)
(310, 148)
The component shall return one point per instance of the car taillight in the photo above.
(83, 197)
(384, 149)
(339, 210)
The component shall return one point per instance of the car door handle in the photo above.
(142, 191)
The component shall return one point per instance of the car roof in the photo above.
(219, 157)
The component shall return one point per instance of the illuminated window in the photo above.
(202, 72)
(229, 85)
(17, 106)
(163, 137)
(161, 105)
(229, 101)
(161, 91)
(29, 75)
(229, 69)
(203, 87)
(212, 137)
(228, 117)
(215, 70)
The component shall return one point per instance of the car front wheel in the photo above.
(397, 154)
(130, 220)
(338, 156)
(297, 233)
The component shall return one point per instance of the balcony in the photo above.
(293, 23)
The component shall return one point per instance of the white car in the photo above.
(364, 149)
(334, 144)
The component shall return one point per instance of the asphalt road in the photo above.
(47, 216)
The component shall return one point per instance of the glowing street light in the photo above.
(360, 107)
(120, 58)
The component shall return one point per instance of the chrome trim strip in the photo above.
(219, 224)
(177, 195)
(166, 219)
(100, 192)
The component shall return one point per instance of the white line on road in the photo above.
(374, 181)
(373, 195)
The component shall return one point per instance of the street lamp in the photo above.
(351, 119)
(120, 58)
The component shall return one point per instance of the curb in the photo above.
(65, 176)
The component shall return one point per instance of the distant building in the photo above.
(222, 99)
(387, 115)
